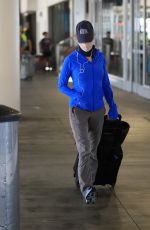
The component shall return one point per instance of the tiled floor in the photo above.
(49, 198)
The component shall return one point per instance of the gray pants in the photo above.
(87, 128)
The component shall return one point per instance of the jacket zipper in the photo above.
(93, 88)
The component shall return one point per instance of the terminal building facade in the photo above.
(126, 21)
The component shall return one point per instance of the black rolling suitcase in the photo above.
(109, 152)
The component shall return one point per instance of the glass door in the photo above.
(147, 43)
(112, 35)
(138, 41)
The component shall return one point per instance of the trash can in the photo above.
(9, 170)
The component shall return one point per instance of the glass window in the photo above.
(138, 41)
(147, 78)
(87, 6)
(112, 41)
(129, 40)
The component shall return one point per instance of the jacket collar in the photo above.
(87, 54)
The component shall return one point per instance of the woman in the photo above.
(87, 68)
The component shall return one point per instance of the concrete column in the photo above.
(71, 7)
(9, 54)
(92, 12)
(23, 6)
(79, 11)
(42, 20)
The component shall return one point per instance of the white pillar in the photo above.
(92, 12)
(79, 11)
(71, 7)
(23, 6)
(9, 54)
(42, 20)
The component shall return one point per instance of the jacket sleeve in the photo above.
(112, 113)
(63, 80)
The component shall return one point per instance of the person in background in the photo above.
(26, 38)
(107, 41)
(22, 43)
(87, 68)
(45, 49)
(26, 52)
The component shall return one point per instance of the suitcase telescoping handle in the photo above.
(119, 117)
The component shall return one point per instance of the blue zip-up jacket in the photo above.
(90, 82)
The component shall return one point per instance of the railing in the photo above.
(63, 48)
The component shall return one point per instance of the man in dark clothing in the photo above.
(27, 59)
(45, 48)
(107, 41)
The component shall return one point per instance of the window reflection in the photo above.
(112, 41)
(147, 79)
(138, 41)
(129, 39)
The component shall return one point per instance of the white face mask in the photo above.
(86, 46)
